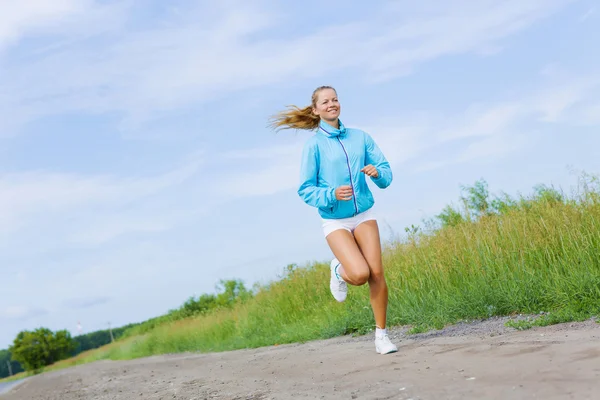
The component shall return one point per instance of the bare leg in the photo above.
(354, 269)
(367, 237)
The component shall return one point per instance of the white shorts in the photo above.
(349, 224)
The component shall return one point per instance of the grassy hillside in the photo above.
(492, 255)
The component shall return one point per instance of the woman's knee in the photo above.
(359, 276)
(377, 276)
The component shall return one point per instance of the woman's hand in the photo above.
(370, 171)
(343, 192)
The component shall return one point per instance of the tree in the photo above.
(5, 360)
(193, 306)
(477, 198)
(41, 347)
(231, 290)
(548, 195)
(450, 217)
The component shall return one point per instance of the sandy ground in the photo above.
(483, 360)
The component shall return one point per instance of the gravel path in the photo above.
(480, 360)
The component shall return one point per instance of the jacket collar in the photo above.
(330, 131)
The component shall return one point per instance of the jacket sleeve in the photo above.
(375, 157)
(311, 194)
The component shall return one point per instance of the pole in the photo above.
(112, 339)
(9, 368)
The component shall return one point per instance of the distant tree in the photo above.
(504, 203)
(547, 194)
(476, 202)
(5, 359)
(194, 306)
(450, 217)
(92, 340)
(477, 198)
(231, 290)
(41, 347)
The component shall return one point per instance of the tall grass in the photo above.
(495, 257)
(491, 257)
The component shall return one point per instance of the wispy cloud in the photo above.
(21, 312)
(590, 115)
(428, 140)
(100, 207)
(587, 14)
(429, 30)
(489, 131)
(39, 198)
(202, 60)
(31, 18)
(265, 171)
(85, 302)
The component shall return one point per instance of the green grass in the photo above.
(15, 377)
(537, 254)
(558, 317)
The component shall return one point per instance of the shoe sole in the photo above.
(389, 352)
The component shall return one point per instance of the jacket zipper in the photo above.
(350, 172)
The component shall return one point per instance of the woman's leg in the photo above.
(367, 237)
(354, 268)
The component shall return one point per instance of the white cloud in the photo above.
(400, 140)
(100, 230)
(20, 312)
(269, 170)
(485, 131)
(493, 147)
(481, 122)
(25, 18)
(262, 153)
(85, 302)
(266, 181)
(553, 104)
(449, 28)
(266, 171)
(35, 197)
(20, 18)
(433, 141)
(587, 14)
(590, 115)
(140, 74)
(482, 131)
(489, 131)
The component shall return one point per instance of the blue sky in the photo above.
(136, 168)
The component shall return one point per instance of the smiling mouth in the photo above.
(333, 109)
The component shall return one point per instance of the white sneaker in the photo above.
(339, 288)
(384, 346)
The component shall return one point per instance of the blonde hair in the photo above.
(299, 118)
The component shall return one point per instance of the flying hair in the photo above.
(299, 118)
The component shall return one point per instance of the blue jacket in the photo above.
(334, 157)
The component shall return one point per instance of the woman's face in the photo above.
(327, 105)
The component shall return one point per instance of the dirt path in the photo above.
(476, 361)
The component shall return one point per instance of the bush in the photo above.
(41, 347)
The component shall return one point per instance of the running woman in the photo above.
(335, 163)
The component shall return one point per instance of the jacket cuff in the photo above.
(331, 196)
(380, 180)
